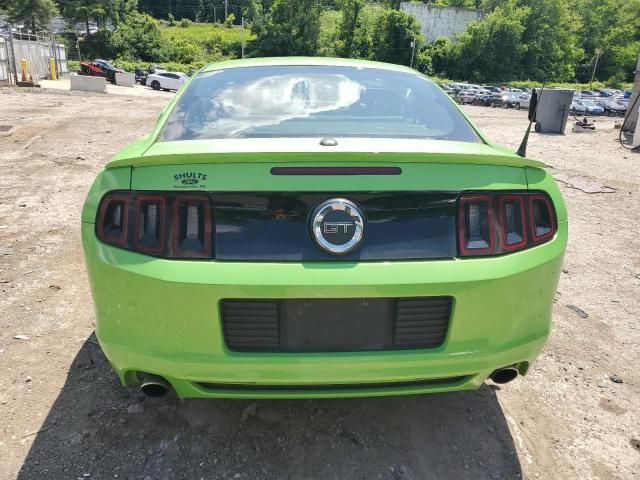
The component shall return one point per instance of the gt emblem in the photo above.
(337, 226)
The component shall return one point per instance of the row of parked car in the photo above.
(605, 101)
(489, 95)
(585, 102)
(156, 77)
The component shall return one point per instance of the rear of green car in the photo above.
(208, 273)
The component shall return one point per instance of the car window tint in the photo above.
(314, 101)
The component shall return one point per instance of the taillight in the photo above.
(542, 218)
(114, 219)
(192, 226)
(493, 223)
(512, 222)
(151, 223)
(476, 225)
(161, 224)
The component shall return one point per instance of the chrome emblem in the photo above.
(337, 226)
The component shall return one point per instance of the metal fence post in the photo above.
(12, 55)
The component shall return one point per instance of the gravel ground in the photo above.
(64, 415)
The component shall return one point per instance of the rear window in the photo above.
(314, 101)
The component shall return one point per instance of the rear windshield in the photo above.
(314, 101)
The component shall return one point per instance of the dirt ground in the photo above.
(63, 413)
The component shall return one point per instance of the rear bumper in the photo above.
(162, 317)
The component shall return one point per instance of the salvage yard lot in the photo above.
(64, 415)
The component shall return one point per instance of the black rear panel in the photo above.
(335, 325)
(275, 226)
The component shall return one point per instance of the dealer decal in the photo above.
(190, 180)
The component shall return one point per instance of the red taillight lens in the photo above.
(476, 225)
(151, 223)
(512, 222)
(162, 224)
(114, 219)
(543, 222)
(192, 226)
(495, 223)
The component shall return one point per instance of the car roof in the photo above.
(306, 61)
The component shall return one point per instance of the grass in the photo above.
(214, 40)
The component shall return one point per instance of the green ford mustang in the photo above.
(307, 227)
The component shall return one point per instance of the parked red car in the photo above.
(100, 68)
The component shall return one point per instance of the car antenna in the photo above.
(533, 108)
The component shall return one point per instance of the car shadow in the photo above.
(98, 429)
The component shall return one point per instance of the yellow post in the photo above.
(23, 64)
(52, 69)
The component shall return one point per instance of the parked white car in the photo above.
(522, 101)
(166, 80)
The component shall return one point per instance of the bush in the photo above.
(184, 52)
(131, 65)
(185, 23)
(422, 62)
(73, 65)
(618, 81)
(139, 38)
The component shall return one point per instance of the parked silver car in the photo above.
(522, 101)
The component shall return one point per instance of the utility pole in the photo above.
(242, 50)
(413, 50)
(595, 65)
(226, 9)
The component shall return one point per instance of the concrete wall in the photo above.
(125, 79)
(441, 21)
(88, 84)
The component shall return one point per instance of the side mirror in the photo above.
(533, 104)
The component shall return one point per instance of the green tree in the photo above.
(118, 10)
(393, 33)
(550, 38)
(139, 38)
(353, 40)
(462, 3)
(291, 27)
(34, 13)
(491, 49)
(84, 11)
(439, 53)
(610, 34)
(535, 39)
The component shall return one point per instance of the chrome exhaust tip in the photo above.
(153, 385)
(504, 375)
